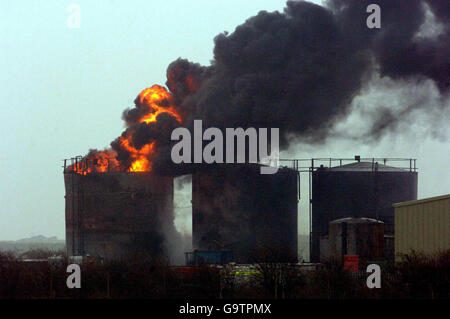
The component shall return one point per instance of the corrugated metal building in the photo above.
(422, 225)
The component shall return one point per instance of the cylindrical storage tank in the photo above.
(361, 189)
(254, 215)
(356, 236)
(115, 215)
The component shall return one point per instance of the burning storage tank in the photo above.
(115, 214)
(360, 189)
(238, 209)
(356, 236)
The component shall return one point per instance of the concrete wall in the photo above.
(422, 225)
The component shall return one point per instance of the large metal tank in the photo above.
(237, 208)
(361, 189)
(356, 236)
(114, 215)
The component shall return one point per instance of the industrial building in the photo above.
(240, 215)
(422, 225)
(359, 189)
(355, 236)
(253, 215)
(112, 215)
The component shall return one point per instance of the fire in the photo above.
(155, 100)
(140, 157)
(98, 161)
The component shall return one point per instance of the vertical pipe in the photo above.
(80, 217)
(376, 191)
(344, 240)
(310, 211)
(73, 211)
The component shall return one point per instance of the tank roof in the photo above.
(366, 167)
(356, 220)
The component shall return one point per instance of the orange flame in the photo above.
(100, 162)
(156, 100)
(140, 157)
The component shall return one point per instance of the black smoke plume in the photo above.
(300, 70)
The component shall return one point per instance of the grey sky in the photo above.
(64, 90)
